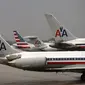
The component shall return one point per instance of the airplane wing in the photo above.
(66, 46)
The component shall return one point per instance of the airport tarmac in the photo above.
(13, 76)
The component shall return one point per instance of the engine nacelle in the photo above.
(30, 62)
(37, 62)
(13, 57)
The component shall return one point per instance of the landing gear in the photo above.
(83, 76)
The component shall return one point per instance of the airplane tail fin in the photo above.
(5, 48)
(38, 42)
(59, 31)
(21, 43)
(34, 40)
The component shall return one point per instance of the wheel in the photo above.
(83, 77)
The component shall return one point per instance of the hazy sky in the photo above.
(27, 16)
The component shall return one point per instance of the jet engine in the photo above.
(29, 62)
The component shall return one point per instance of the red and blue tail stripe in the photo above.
(21, 43)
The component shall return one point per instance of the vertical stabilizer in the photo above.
(35, 41)
(21, 43)
(5, 48)
(59, 32)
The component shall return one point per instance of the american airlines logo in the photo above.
(61, 32)
(37, 43)
(2, 45)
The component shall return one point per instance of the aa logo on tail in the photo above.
(2, 46)
(37, 43)
(61, 32)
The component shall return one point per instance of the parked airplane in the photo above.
(60, 61)
(27, 45)
(63, 37)
(31, 43)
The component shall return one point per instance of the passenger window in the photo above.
(76, 58)
(50, 58)
(54, 59)
(59, 58)
(70, 59)
(47, 58)
(81, 58)
(67, 58)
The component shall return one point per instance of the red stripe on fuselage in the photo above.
(22, 43)
(52, 63)
(82, 46)
(23, 46)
